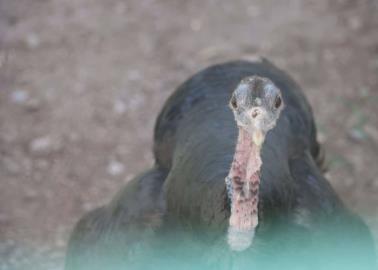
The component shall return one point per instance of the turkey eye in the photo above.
(277, 102)
(233, 103)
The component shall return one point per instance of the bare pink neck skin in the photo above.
(245, 177)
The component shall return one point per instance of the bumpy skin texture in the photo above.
(244, 170)
(183, 199)
(244, 176)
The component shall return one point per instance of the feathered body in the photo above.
(177, 212)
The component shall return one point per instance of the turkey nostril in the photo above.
(254, 114)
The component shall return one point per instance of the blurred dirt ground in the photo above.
(82, 81)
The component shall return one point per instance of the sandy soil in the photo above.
(81, 82)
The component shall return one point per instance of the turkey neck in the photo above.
(245, 180)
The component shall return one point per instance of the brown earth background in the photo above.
(82, 81)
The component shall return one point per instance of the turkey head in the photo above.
(256, 104)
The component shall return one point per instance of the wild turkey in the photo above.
(279, 212)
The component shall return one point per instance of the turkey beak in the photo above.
(258, 136)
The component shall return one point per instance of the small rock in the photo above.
(43, 145)
(73, 136)
(115, 168)
(253, 11)
(41, 164)
(148, 156)
(120, 8)
(4, 219)
(87, 206)
(357, 134)
(30, 194)
(364, 92)
(119, 107)
(135, 102)
(19, 96)
(374, 62)
(372, 132)
(11, 166)
(196, 25)
(32, 40)
(321, 137)
(375, 184)
(349, 182)
(33, 105)
(355, 23)
(3, 59)
(134, 75)
(40, 144)
(210, 52)
(61, 243)
(329, 55)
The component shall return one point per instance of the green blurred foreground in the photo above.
(285, 247)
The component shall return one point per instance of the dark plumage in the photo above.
(176, 214)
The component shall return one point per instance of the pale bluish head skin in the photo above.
(256, 104)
